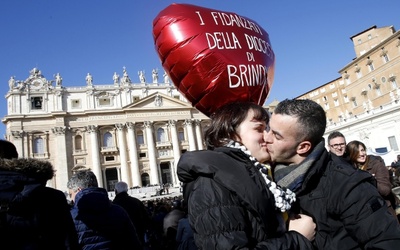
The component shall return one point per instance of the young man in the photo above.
(345, 204)
(337, 143)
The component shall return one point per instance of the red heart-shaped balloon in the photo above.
(214, 57)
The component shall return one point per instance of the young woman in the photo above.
(376, 167)
(232, 203)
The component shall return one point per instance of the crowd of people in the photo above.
(264, 182)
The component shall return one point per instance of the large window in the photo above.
(160, 135)
(78, 143)
(181, 134)
(108, 140)
(139, 137)
(38, 146)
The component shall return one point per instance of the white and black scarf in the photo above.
(283, 197)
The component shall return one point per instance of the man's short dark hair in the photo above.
(310, 115)
(8, 150)
(334, 135)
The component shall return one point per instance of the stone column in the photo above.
(190, 132)
(176, 149)
(96, 168)
(18, 137)
(125, 176)
(199, 138)
(133, 155)
(61, 161)
(154, 179)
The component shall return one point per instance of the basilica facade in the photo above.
(129, 131)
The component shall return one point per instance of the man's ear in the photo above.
(304, 147)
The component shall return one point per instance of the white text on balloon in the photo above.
(247, 75)
(222, 40)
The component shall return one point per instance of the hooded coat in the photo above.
(229, 206)
(33, 216)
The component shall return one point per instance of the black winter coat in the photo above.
(229, 205)
(101, 224)
(34, 216)
(346, 205)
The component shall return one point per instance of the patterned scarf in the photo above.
(283, 196)
(292, 176)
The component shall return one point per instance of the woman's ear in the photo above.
(304, 147)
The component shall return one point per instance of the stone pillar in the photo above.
(176, 149)
(190, 132)
(94, 140)
(199, 138)
(18, 137)
(59, 102)
(154, 179)
(133, 155)
(61, 161)
(125, 176)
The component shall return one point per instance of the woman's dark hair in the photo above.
(226, 120)
(352, 149)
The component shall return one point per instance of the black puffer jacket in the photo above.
(34, 216)
(229, 206)
(346, 205)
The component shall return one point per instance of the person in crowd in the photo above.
(344, 202)
(170, 223)
(337, 143)
(184, 235)
(32, 216)
(396, 163)
(375, 165)
(99, 223)
(134, 207)
(230, 198)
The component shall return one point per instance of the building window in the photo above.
(385, 58)
(378, 91)
(359, 41)
(393, 143)
(78, 143)
(110, 158)
(181, 134)
(371, 67)
(359, 74)
(142, 155)
(326, 106)
(38, 146)
(355, 103)
(383, 79)
(369, 36)
(394, 83)
(325, 98)
(108, 140)
(336, 102)
(36, 102)
(139, 137)
(346, 99)
(160, 135)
